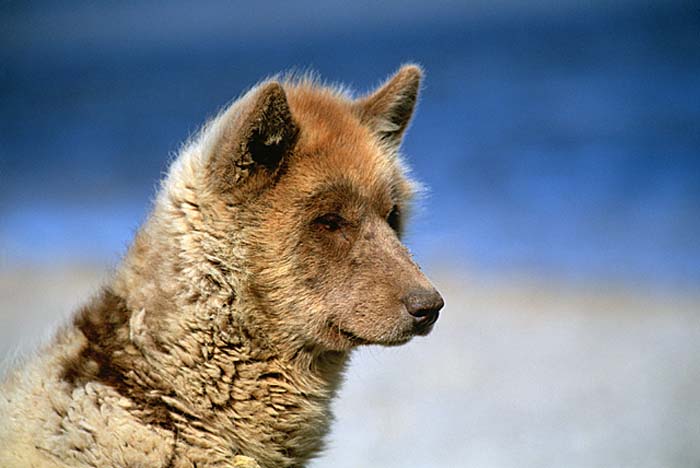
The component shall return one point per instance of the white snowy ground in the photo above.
(517, 373)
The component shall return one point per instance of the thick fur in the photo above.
(272, 251)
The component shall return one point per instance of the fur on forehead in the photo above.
(334, 144)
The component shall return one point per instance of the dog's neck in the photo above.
(188, 362)
(170, 335)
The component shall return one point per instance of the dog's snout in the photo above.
(424, 306)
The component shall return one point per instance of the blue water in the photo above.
(563, 142)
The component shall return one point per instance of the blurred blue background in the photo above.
(561, 144)
(560, 138)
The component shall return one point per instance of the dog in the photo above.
(272, 251)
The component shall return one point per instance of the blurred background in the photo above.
(561, 144)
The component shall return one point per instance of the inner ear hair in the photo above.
(271, 130)
(256, 133)
(388, 110)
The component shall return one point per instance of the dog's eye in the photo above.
(330, 221)
(394, 218)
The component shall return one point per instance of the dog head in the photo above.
(317, 179)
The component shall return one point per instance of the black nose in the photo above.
(425, 306)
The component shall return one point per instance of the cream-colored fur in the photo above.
(271, 252)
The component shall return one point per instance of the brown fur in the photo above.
(273, 250)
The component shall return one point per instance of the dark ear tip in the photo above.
(272, 91)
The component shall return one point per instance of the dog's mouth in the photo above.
(356, 340)
(346, 334)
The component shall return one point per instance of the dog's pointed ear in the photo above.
(388, 110)
(252, 136)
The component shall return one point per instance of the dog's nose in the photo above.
(424, 306)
